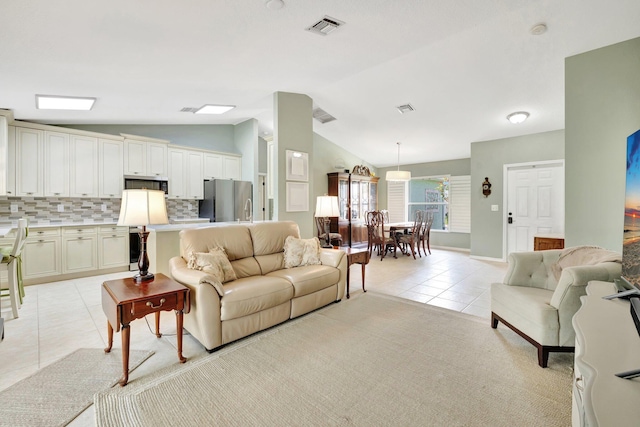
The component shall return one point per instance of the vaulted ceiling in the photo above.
(463, 65)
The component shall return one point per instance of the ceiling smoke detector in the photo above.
(406, 108)
(538, 29)
(274, 4)
(322, 116)
(325, 26)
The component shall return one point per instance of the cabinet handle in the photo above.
(56, 194)
(40, 232)
(114, 235)
(150, 304)
(80, 238)
(84, 194)
(40, 241)
(28, 194)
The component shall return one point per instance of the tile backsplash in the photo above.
(58, 210)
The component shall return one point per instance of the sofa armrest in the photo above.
(532, 269)
(188, 276)
(331, 257)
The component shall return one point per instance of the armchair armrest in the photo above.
(532, 269)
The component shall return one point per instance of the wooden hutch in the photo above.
(357, 194)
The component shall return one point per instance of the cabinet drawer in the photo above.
(36, 233)
(151, 305)
(78, 230)
(113, 229)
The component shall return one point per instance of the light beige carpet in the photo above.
(369, 361)
(58, 393)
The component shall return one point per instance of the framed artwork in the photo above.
(297, 166)
(297, 197)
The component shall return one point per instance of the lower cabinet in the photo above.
(41, 255)
(79, 249)
(51, 252)
(113, 246)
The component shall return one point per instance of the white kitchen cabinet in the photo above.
(194, 175)
(231, 167)
(185, 174)
(156, 159)
(145, 158)
(7, 157)
(113, 246)
(29, 162)
(11, 163)
(41, 255)
(83, 177)
(110, 168)
(176, 159)
(213, 166)
(56, 164)
(79, 249)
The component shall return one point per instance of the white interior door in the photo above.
(535, 204)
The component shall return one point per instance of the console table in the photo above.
(606, 343)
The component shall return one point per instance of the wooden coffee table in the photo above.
(125, 300)
(356, 256)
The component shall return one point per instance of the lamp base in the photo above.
(139, 278)
(327, 246)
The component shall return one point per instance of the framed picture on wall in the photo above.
(297, 197)
(297, 166)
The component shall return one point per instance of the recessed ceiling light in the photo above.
(214, 109)
(55, 102)
(518, 117)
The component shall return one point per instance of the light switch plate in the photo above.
(60, 207)
(494, 208)
(104, 207)
(14, 208)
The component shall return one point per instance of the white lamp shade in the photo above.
(143, 207)
(327, 206)
(398, 176)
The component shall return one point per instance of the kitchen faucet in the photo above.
(248, 210)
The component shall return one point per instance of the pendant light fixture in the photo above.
(398, 175)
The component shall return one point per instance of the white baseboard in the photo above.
(486, 258)
(451, 248)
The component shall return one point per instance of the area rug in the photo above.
(368, 361)
(58, 393)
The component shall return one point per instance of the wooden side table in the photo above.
(125, 300)
(356, 256)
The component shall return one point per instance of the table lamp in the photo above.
(327, 206)
(142, 208)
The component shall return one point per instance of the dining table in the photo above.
(394, 227)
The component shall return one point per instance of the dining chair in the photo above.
(376, 236)
(12, 264)
(411, 239)
(425, 232)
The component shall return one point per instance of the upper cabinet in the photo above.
(145, 158)
(83, 171)
(222, 166)
(185, 174)
(110, 168)
(29, 162)
(56, 164)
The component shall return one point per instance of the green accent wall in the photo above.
(602, 96)
(487, 160)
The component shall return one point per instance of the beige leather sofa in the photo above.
(538, 306)
(264, 293)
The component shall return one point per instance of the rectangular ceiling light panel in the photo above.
(214, 109)
(55, 102)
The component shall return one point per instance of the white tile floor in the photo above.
(60, 317)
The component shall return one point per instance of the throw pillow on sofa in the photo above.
(299, 252)
(214, 262)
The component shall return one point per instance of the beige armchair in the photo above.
(541, 292)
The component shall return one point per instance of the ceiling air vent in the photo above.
(189, 110)
(322, 116)
(405, 108)
(325, 25)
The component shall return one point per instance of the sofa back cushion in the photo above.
(268, 243)
(235, 239)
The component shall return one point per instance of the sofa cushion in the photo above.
(253, 294)
(308, 279)
(214, 263)
(300, 252)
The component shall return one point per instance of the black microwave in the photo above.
(148, 183)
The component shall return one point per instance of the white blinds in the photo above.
(460, 204)
(396, 201)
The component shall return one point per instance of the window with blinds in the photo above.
(446, 198)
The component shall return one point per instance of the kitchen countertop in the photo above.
(179, 223)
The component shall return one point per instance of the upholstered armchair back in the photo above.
(532, 269)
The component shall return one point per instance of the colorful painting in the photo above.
(631, 242)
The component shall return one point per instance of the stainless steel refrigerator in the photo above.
(226, 200)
